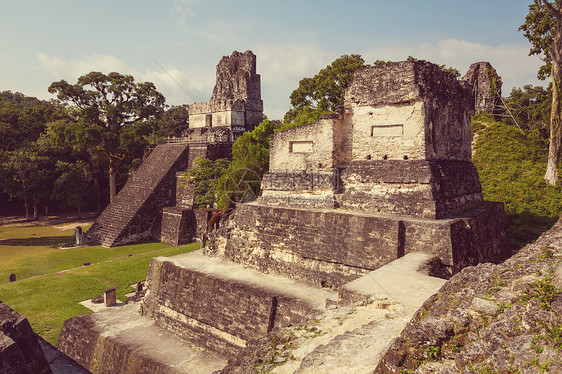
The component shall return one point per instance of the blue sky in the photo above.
(45, 41)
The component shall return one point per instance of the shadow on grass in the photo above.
(45, 241)
(524, 228)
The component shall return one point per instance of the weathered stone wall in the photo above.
(228, 118)
(20, 352)
(433, 108)
(393, 131)
(236, 100)
(490, 318)
(185, 191)
(217, 313)
(237, 78)
(306, 147)
(209, 151)
(119, 341)
(429, 189)
(182, 226)
(178, 226)
(486, 86)
(332, 247)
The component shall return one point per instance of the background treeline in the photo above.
(50, 159)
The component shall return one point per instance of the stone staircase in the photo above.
(135, 212)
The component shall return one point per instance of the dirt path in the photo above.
(65, 221)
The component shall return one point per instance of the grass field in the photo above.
(46, 294)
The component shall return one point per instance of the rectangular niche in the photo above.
(304, 146)
(387, 130)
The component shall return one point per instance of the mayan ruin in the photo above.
(145, 207)
(217, 187)
(384, 183)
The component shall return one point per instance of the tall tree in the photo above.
(72, 187)
(27, 175)
(173, 121)
(543, 28)
(530, 107)
(108, 105)
(325, 91)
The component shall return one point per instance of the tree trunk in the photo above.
(555, 51)
(113, 163)
(97, 192)
(46, 209)
(26, 208)
(35, 211)
(79, 211)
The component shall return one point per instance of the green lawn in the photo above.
(48, 298)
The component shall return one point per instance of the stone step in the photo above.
(398, 280)
(372, 313)
(137, 204)
(221, 305)
(119, 340)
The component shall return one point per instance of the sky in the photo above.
(176, 44)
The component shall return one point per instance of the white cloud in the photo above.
(178, 87)
(282, 66)
(180, 10)
(71, 70)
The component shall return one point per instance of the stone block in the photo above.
(20, 352)
(110, 297)
(220, 305)
(120, 341)
(178, 226)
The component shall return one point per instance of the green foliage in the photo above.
(511, 166)
(495, 82)
(174, 120)
(301, 117)
(73, 185)
(27, 174)
(531, 108)
(443, 67)
(325, 91)
(433, 352)
(250, 161)
(544, 291)
(540, 28)
(115, 112)
(381, 62)
(206, 176)
(22, 119)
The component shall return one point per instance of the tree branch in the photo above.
(550, 8)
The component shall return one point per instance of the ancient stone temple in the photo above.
(157, 203)
(236, 102)
(389, 174)
(487, 86)
(353, 205)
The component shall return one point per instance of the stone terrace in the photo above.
(387, 176)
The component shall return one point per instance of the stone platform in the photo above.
(220, 305)
(214, 307)
(352, 337)
(330, 247)
(121, 341)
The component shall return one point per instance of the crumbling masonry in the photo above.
(386, 176)
(157, 202)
